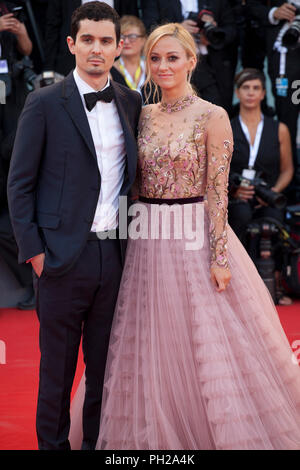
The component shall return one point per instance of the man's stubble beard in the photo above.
(96, 73)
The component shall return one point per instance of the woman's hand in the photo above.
(220, 277)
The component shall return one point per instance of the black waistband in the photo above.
(185, 200)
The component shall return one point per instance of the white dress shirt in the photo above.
(187, 6)
(255, 147)
(110, 149)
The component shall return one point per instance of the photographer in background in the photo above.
(262, 148)
(15, 44)
(282, 22)
(10, 23)
(204, 19)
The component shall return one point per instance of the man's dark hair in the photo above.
(96, 11)
(250, 74)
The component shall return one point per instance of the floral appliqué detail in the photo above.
(187, 154)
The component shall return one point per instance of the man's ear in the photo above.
(119, 48)
(71, 44)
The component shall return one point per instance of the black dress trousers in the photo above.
(78, 304)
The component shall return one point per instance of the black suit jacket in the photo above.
(58, 24)
(54, 181)
(260, 12)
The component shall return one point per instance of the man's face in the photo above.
(95, 48)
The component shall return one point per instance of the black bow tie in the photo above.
(91, 99)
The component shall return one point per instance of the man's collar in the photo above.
(83, 86)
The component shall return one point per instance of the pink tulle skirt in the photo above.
(191, 368)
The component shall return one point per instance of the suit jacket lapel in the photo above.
(73, 105)
(130, 141)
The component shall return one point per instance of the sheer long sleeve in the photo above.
(219, 146)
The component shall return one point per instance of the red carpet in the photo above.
(19, 372)
(19, 378)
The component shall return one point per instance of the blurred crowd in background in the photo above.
(261, 37)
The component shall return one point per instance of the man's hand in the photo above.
(208, 18)
(12, 25)
(37, 263)
(17, 28)
(190, 26)
(285, 12)
(245, 193)
(8, 22)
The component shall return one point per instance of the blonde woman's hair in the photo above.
(186, 40)
(129, 21)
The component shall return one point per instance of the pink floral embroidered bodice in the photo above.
(187, 153)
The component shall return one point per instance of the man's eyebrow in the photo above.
(87, 35)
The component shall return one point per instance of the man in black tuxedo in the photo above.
(274, 18)
(74, 155)
(58, 28)
(214, 74)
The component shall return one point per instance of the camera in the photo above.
(291, 36)
(18, 13)
(262, 190)
(215, 35)
(47, 78)
(265, 235)
(260, 247)
(25, 67)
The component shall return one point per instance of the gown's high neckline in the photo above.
(178, 105)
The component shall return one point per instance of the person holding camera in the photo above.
(282, 22)
(9, 22)
(262, 148)
(15, 44)
(213, 27)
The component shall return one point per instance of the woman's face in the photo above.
(133, 41)
(169, 63)
(251, 93)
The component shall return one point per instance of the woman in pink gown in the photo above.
(198, 358)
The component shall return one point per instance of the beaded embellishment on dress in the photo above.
(178, 105)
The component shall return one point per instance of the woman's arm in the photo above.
(219, 152)
(286, 159)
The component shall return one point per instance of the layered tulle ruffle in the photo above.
(191, 368)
